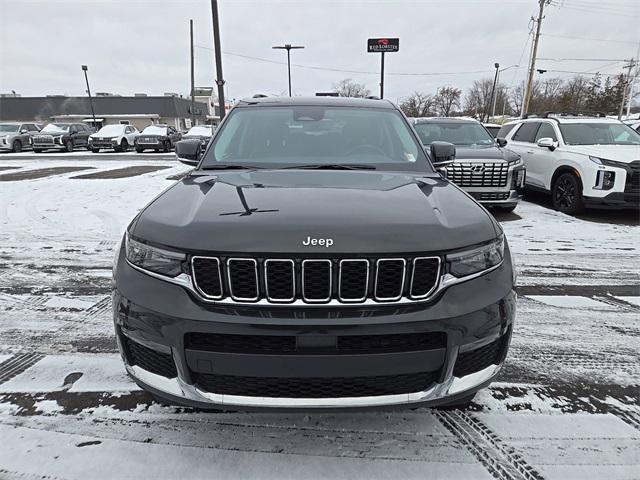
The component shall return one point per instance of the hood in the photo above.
(617, 153)
(151, 135)
(275, 211)
(485, 153)
(107, 137)
(196, 137)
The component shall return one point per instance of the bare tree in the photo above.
(447, 99)
(349, 88)
(418, 104)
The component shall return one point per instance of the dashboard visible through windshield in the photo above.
(458, 133)
(318, 136)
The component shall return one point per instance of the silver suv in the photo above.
(491, 174)
(15, 137)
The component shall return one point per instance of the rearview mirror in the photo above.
(442, 154)
(547, 142)
(502, 142)
(188, 152)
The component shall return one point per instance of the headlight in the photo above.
(154, 259)
(596, 160)
(90, 140)
(515, 161)
(609, 163)
(477, 259)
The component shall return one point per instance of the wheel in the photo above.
(68, 146)
(95, 150)
(166, 146)
(37, 150)
(566, 194)
(123, 147)
(139, 150)
(17, 146)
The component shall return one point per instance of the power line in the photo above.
(362, 72)
(584, 9)
(587, 38)
(583, 59)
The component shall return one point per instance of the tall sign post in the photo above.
(382, 46)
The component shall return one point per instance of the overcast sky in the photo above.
(143, 45)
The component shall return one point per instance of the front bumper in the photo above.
(615, 200)
(472, 317)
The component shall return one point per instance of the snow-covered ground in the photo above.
(567, 404)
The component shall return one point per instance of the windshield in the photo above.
(288, 136)
(8, 127)
(202, 131)
(155, 130)
(56, 127)
(111, 130)
(456, 133)
(599, 134)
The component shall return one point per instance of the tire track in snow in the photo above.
(500, 459)
(17, 364)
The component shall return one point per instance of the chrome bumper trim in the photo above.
(178, 388)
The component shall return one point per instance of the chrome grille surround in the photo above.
(195, 282)
(230, 262)
(435, 285)
(478, 174)
(366, 285)
(404, 274)
(266, 279)
(330, 286)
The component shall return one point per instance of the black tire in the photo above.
(37, 150)
(17, 146)
(68, 146)
(139, 150)
(566, 194)
(123, 147)
(167, 147)
(95, 150)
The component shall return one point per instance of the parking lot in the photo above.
(566, 405)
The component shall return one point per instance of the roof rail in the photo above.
(551, 113)
(372, 97)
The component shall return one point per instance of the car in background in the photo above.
(635, 124)
(582, 161)
(61, 136)
(490, 173)
(117, 137)
(200, 132)
(157, 137)
(15, 137)
(492, 128)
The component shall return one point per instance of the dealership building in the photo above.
(139, 110)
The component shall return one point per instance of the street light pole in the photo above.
(288, 47)
(86, 79)
(495, 99)
(493, 91)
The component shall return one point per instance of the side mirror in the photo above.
(502, 142)
(24, 130)
(188, 152)
(442, 154)
(547, 143)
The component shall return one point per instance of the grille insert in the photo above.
(288, 344)
(315, 387)
(424, 278)
(279, 280)
(390, 279)
(149, 359)
(316, 280)
(207, 276)
(243, 279)
(353, 280)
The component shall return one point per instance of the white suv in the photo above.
(581, 161)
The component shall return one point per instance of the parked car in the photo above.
(313, 258)
(157, 137)
(490, 173)
(116, 137)
(492, 128)
(200, 132)
(15, 137)
(582, 161)
(62, 136)
(635, 124)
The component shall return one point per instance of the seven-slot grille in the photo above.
(315, 281)
(478, 174)
(147, 140)
(42, 139)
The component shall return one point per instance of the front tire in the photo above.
(68, 146)
(37, 150)
(566, 194)
(139, 150)
(167, 147)
(17, 146)
(123, 147)
(95, 150)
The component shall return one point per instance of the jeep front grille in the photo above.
(315, 281)
(478, 174)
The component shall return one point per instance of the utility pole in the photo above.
(218, 53)
(532, 66)
(627, 86)
(288, 47)
(193, 103)
(491, 107)
(86, 79)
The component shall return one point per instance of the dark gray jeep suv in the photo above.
(314, 258)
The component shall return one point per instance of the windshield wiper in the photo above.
(332, 166)
(230, 167)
